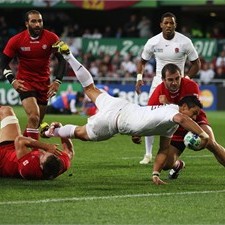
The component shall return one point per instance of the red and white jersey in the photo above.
(176, 51)
(33, 55)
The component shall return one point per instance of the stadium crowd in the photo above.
(116, 67)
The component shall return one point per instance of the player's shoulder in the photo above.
(182, 37)
(155, 39)
(189, 84)
(189, 81)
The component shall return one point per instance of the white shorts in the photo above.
(102, 125)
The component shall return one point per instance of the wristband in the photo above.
(204, 135)
(139, 76)
(58, 81)
(155, 173)
(8, 75)
(13, 81)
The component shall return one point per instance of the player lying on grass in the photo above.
(116, 115)
(24, 157)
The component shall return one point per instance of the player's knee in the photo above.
(6, 111)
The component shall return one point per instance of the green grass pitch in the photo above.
(107, 185)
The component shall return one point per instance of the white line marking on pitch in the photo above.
(75, 199)
(185, 156)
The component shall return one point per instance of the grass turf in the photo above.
(107, 185)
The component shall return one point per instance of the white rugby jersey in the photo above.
(117, 115)
(176, 51)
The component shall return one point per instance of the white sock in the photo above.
(66, 131)
(80, 71)
(149, 140)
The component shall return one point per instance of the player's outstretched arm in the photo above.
(188, 124)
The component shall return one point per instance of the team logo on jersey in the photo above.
(177, 50)
(44, 46)
(25, 162)
(25, 49)
(158, 50)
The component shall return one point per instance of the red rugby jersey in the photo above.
(187, 87)
(33, 55)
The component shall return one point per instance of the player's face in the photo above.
(191, 112)
(172, 81)
(34, 25)
(168, 26)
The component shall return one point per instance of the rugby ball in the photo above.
(192, 141)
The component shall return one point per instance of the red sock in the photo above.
(33, 133)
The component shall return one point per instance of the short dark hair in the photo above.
(191, 101)
(51, 167)
(168, 14)
(172, 68)
(31, 12)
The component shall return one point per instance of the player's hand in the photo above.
(136, 139)
(138, 86)
(204, 140)
(157, 181)
(52, 127)
(163, 99)
(18, 85)
(53, 88)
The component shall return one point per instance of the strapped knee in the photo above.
(8, 120)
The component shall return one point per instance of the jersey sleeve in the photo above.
(191, 88)
(65, 161)
(191, 51)
(202, 118)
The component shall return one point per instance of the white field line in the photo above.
(184, 156)
(76, 199)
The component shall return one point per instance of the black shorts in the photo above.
(28, 94)
(179, 145)
(6, 143)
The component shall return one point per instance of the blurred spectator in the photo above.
(144, 27)
(206, 74)
(119, 32)
(128, 65)
(66, 103)
(87, 33)
(220, 61)
(130, 27)
(186, 31)
(216, 33)
(96, 34)
(108, 32)
(219, 76)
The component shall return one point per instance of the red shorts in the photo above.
(37, 90)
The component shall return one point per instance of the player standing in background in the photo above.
(168, 46)
(24, 157)
(33, 48)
